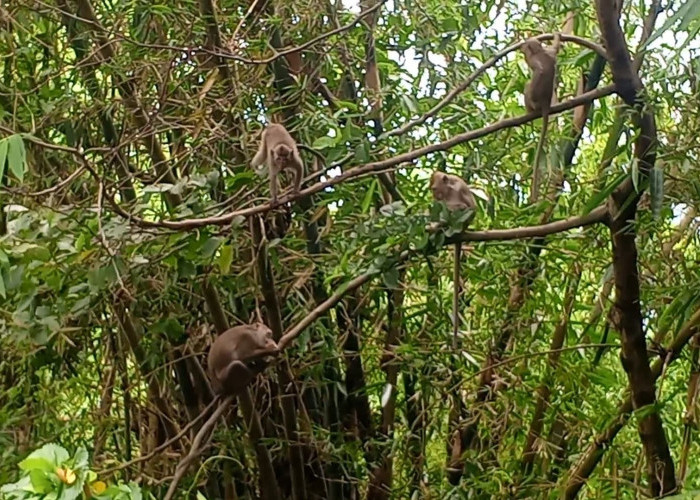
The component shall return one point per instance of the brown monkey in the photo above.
(454, 192)
(538, 95)
(279, 150)
(238, 355)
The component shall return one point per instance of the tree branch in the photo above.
(627, 315)
(488, 64)
(361, 171)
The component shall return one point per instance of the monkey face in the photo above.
(281, 155)
(439, 185)
(266, 346)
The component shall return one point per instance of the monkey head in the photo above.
(531, 47)
(440, 185)
(257, 346)
(256, 349)
(281, 155)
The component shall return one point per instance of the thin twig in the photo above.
(198, 445)
(163, 446)
(46, 191)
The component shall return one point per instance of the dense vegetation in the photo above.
(134, 230)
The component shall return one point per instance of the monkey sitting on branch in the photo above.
(456, 195)
(238, 355)
(538, 93)
(279, 151)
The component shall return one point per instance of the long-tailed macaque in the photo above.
(538, 94)
(238, 355)
(454, 192)
(279, 150)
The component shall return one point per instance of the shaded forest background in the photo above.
(134, 230)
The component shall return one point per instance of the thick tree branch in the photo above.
(627, 315)
(583, 469)
(597, 215)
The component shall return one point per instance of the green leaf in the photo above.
(102, 277)
(324, 142)
(391, 277)
(656, 189)
(686, 13)
(598, 198)
(51, 452)
(362, 152)
(3, 156)
(210, 246)
(41, 481)
(225, 259)
(3, 294)
(16, 156)
(172, 328)
(369, 194)
(19, 490)
(38, 463)
(186, 269)
(409, 104)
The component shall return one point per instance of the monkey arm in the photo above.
(260, 156)
(298, 167)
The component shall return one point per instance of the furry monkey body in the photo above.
(279, 150)
(238, 355)
(455, 193)
(538, 95)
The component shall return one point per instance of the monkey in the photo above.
(238, 355)
(279, 150)
(538, 94)
(455, 193)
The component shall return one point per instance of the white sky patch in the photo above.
(668, 46)
(351, 5)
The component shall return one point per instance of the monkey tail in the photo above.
(535, 194)
(455, 295)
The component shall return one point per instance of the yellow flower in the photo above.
(67, 475)
(98, 487)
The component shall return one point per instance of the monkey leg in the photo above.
(235, 377)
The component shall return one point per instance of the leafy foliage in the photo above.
(50, 472)
(127, 207)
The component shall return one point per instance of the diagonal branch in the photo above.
(361, 171)
(627, 314)
(452, 94)
(582, 470)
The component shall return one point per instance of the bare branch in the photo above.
(488, 64)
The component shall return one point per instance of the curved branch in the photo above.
(163, 446)
(488, 64)
(597, 215)
(200, 440)
(363, 170)
(327, 304)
